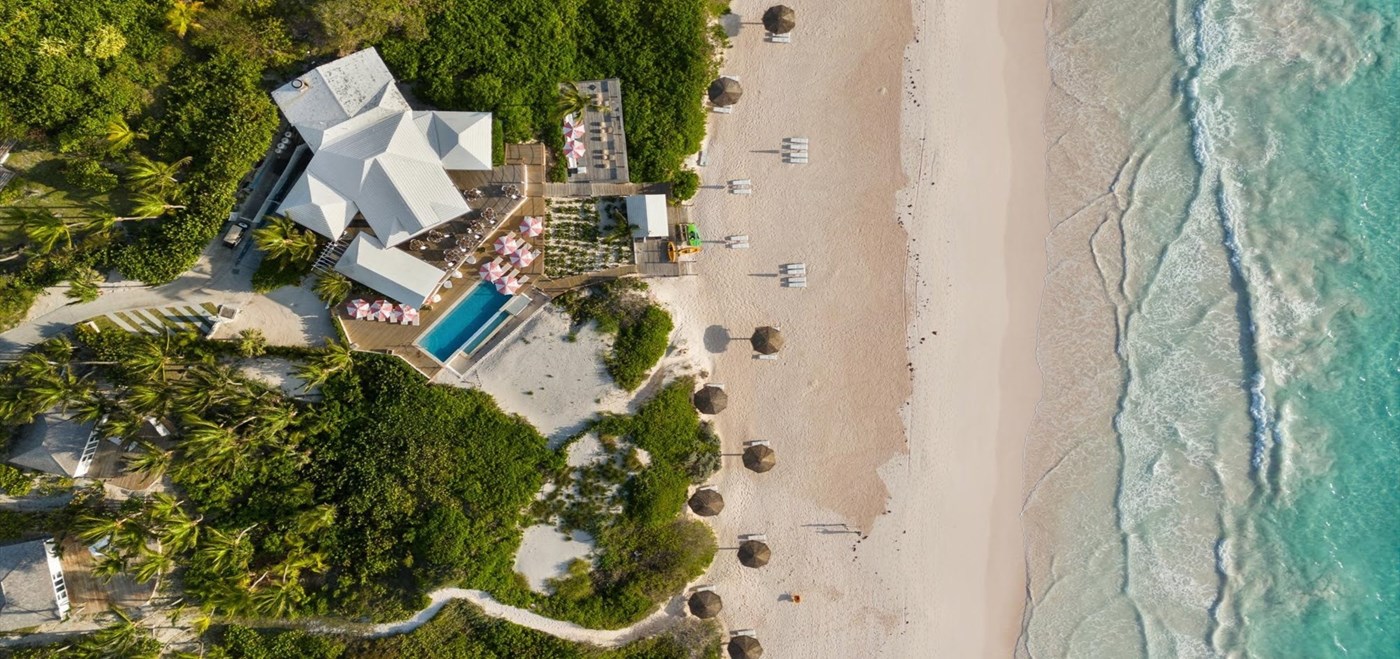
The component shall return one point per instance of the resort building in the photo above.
(56, 443)
(32, 590)
(647, 215)
(378, 162)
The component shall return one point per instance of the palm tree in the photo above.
(120, 135)
(225, 550)
(46, 230)
(149, 204)
(332, 287)
(182, 17)
(152, 358)
(125, 638)
(83, 285)
(279, 596)
(153, 564)
(336, 357)
(312, 520)
(284, 241)
(575, 101)
(147, 174)
(150, 460)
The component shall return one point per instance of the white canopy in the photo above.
(647, 212)
(393, 272)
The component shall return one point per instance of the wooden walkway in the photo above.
(88, 593)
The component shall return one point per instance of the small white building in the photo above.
(32, 590)
(647, 215)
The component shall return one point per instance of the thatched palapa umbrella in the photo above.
(706, 503)
(767, 340)
(745, 647)
(711, 400)
(753, 553)
(759, 458)
(725, 92)
(705, 604)
(779, 19)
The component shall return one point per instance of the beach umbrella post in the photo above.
(758, 458)
(754, 553)
(706, 503)
(711, 399)
(705, 604)
(779, 19)
(745, 647)
(767, 340)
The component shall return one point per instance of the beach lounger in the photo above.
(723, 110)
(741, 191)
(795, 161)
(794, 282)
(742, 238)
(768, 358)
(795, 140)
(741, 182)
(743, 245)
(795, 272)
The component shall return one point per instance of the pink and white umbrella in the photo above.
(492, 271)
(507, 285)
(572, 129)
(410, 315)
(357, 309)
(532, 226)
(506, 245)
(395, 313)
(574, 149)
(523, 257)
(380, 310)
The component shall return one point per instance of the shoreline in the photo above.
(978, 221)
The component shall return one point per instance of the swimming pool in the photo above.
(467, 324)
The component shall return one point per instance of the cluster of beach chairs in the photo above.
(795, 150)
(741, 186)
(794, 275)
(777, 38)
(737, 242)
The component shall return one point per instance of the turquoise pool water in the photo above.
(466, 324)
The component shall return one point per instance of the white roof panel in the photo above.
(647, 212)
(315, 205)
(462, 140)
(393, 272)
(317, 102)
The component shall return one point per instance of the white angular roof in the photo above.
(315, 205)
(27, 594)
(356, 87)
(462, 140)
(392, 176)
(393, 272)
(647, 212)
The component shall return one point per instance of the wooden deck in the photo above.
(108, 466)
(88, 594)
(525, 168)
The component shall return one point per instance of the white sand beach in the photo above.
(899, 407)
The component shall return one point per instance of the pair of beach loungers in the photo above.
(737, 242)
(795, 150)
(794, 275)
(741, 186)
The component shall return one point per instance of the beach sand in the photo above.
(894, 508)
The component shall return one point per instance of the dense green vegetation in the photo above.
(459, 631)
(641, 328)
(510, 57)
(649, 552)
(289, 251)
(352, 506)
(684, 185)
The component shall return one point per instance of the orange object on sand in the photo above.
(796, 599)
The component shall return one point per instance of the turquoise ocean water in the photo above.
(1233, 170)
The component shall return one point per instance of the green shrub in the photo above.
(244, 643)
(657, 495)
(89, 175)
(638, 347)
(498, 142)
(684, 184)
(15, 482)
(273, 274)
